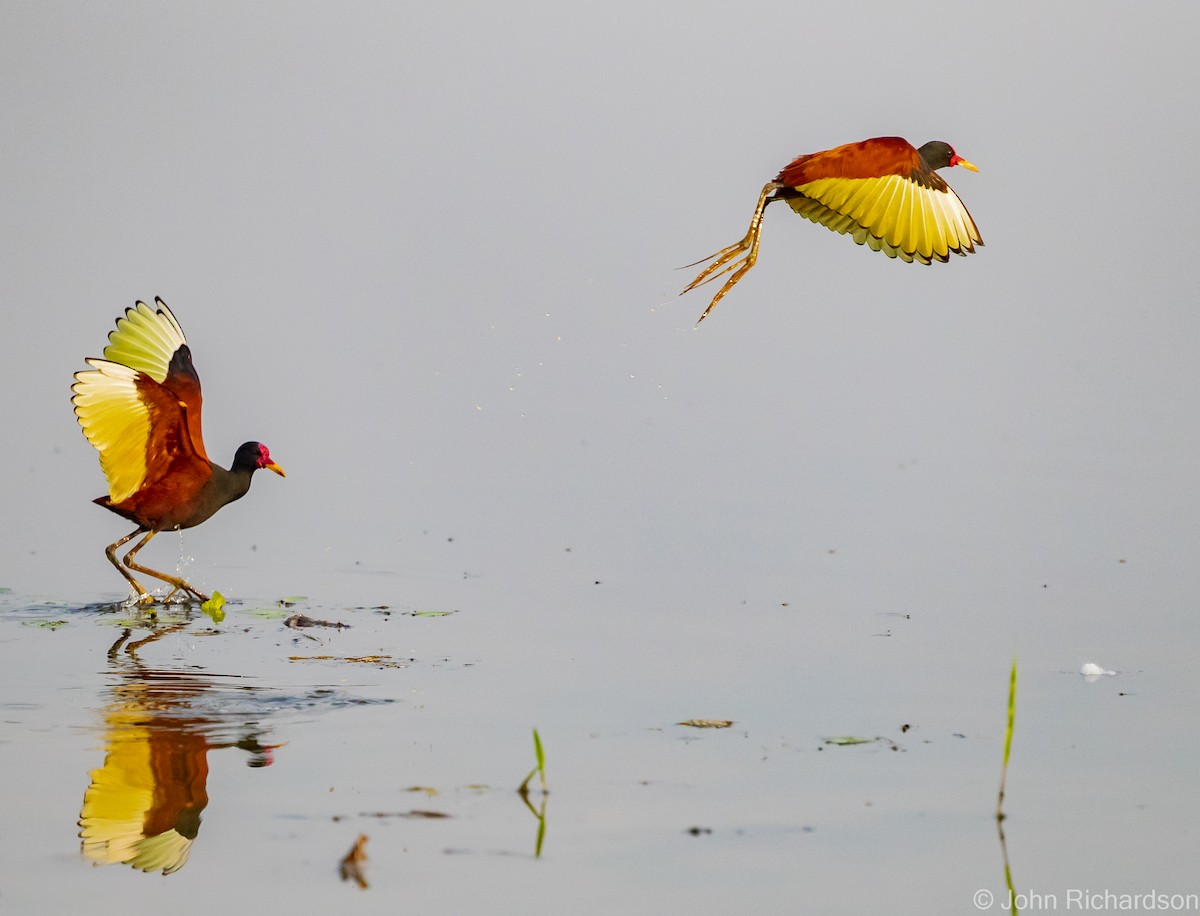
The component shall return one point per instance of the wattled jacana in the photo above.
(140, 407)
(883, 193)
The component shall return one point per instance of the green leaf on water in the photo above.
(266, 613)
(523, 791)
(848, 740)
(214, 607)
(432, 613)
(539, 753)
(45, 624)
(539, 770)
(1008, 734)
(1012, 712)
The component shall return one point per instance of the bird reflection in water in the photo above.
(144, 804)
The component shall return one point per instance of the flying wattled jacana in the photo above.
(140, 407)
(883, 193)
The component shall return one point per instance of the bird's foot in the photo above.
(199, 596)
(144, 602)
(719, 259)
(735, 259)
(189, 594)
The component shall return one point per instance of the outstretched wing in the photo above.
(140, 405)
(151, 341)
(146, 339)
(884, 195)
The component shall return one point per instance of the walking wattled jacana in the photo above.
(140, 407)
(884, 193)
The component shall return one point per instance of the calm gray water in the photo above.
(426, 255)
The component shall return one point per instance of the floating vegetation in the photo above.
(265, 613)
(414, 813)
(849, 740)
(706, 723)
(523, 791)
(278, 611)
(353, 864)
(44, 624)
(383, 661)
(214, 607)
(540, 768)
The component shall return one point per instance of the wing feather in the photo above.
(895, 227)
(116, 421)
(146, 339)
(891, 213)
(140, 406)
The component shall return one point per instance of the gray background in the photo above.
(426, 256)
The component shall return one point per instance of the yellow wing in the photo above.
(892, 214)
(116, 421)
(146, 339)
(113, 399)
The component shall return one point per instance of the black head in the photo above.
(251, 456)
(938, 154)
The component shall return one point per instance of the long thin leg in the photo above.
(170, 580)
(736, 258)
(143, 597)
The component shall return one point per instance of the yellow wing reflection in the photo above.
(143, 806)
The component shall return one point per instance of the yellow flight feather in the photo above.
(900, 217)
(115, 421)
(112, 414)
(145, 339)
